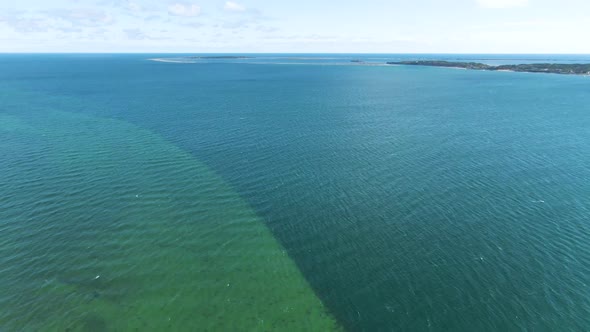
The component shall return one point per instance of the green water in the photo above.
(111, 228)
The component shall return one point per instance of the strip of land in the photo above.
(220, 57)
(553, 68)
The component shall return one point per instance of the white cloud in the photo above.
(135, 34)
(502, 3)
(134, 6)
(231, 6)
(26, 24)
(138, 34)
(187, 10)
(82, 17)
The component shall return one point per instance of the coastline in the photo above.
(540, 68)
(170, 60)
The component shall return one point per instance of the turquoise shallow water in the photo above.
(385, 198)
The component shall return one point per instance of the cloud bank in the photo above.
(186, 10)
(231, 6)
(499, 4)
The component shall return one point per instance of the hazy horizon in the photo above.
(288, 53)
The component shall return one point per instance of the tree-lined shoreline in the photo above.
(553, 68)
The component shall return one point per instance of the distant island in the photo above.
(220, 57)
(553, 68)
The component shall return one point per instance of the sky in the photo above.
(303, 26)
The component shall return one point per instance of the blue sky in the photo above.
(368, 26)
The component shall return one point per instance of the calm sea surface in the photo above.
(292, 193)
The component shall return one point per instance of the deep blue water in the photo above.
(409, 198)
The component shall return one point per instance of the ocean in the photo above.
(290, 192)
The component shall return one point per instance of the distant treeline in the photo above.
(555, 68)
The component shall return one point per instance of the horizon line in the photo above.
(383, 53)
